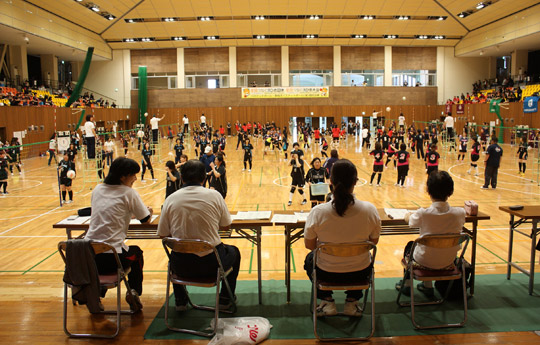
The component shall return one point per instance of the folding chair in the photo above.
(345, 250)
(192, 247)
(436, 241)
(109, 281)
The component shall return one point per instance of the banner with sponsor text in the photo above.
(285, 92)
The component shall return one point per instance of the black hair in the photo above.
(193, 172)
(494, 139)
(121, 167)
(315, 159)
(220, 159)
(378, 146)
(403, 147)
(343, 177)
(88, 117)
(294, 144)
(440, 185)
(334, 153)
(170, 165)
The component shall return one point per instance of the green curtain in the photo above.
(80, 119)
(494, 107)
(82, 77)
(143, 93)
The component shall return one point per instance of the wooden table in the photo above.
(250, 230)
(294, 232)
(527, 215)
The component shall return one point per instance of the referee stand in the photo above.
(91, 166)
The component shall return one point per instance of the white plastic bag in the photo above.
(241, 331)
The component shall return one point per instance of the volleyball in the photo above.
(145, 114)
(70, 174)
(388, 109)
(404, 98)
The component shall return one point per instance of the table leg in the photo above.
(288, 262)
(533, 254)
(510, 242)
(473, 256)
(259, 262)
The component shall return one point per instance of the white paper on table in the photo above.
(136, 221)
(284, 218)
(74, 220)
(234, 217)
(253, 215)
(396, 213)
(301, 216)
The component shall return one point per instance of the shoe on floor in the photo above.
(406, 291)
(326, 308)
(181, 308)
(430, 292)
(352, 309)
(484, 187)
(289, 203)
(134, 301)
(303, 202)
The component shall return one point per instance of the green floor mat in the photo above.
(499, 305)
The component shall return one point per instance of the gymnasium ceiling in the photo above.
(286, 22)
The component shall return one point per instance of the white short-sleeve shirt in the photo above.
(438, 219)
(361, 222)
(194, 212)
(186, 121)
(109, 146)
(88, 127)
(203, 119)
(154, 122)
(449, 122)
(112, 208)
(401, 120)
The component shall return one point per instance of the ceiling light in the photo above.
(441, 18)
(358, 36)
(130, 20)
(390, 36)
(79, 0)
(129, 40)
(110, 17)
(367, 17)
(438, 37)
(259, 17)
(313, 17)
(178, 38)
(211, 37)
(260, 37)
(205, 19)
(403, 17)
(480, 6)
(464, 14)
(311, 36)
(422, 37)
(94, 8)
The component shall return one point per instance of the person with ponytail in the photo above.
(343, 220)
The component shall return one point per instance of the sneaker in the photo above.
(396, 184)
(326, 308)
(468, 172)
(68, 201)
(378, 184)
(249, 170)
(154, 179)
(244, 169)
(430, 292)
(371, 184)
(403, 186)
(181, 308)
(143, 181)
(289, 203)
(484, 187)
(303, 202)
(352, 309)
(134, 301)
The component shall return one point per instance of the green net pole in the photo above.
(82, 77)
(143, 93)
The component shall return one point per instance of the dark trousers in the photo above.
(91, 147)
(109, 158)
(106, 264)
(194, 266)
(51, 156)
(337, 278)
(186, 128)
(420, 151)
(155, 133)
(490, 176)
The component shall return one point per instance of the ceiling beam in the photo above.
(451, 15)
(121, 17)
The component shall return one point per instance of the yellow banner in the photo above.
(285, 92)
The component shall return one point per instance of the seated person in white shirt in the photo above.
(343, 220)
(438, 219)
(194, 212)
(114, 203)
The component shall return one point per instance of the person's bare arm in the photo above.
(310, 244)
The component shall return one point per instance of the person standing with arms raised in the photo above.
(154, 123)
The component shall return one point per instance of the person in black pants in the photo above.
(492, 163)
(248, 157)
(146, 162)
(419, 144)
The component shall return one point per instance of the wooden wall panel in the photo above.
(362, 58)
(311, 58)
(258, 59)
(414, 58)
(175, 98)
(156, 60)
(206, 59)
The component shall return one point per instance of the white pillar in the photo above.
(232, 67)
(337, 65)
(388, 66)
(180, 68)
(284, 66)
(520, 59)
(440, 75)
(126, 59)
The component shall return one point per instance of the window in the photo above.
(207, 80)
(414, 78)
(310, 78)
(259, 78)
(156, 81)
(358, 77)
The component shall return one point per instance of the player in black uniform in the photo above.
(12, 153)
(173, 179)
(297, 174)
(317, 174)
(3, 171)
(178, 149)
(72, 152)
(462, 147)
(324, 147)
(146, 162)
(125, 144)
(419, 144)
(402, 157)
(248, 155)
(522, 156)
(378, 155)
(432, 159)
(64, 166)
(475, 155)
(215, 144)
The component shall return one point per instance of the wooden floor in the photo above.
(31, 269)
